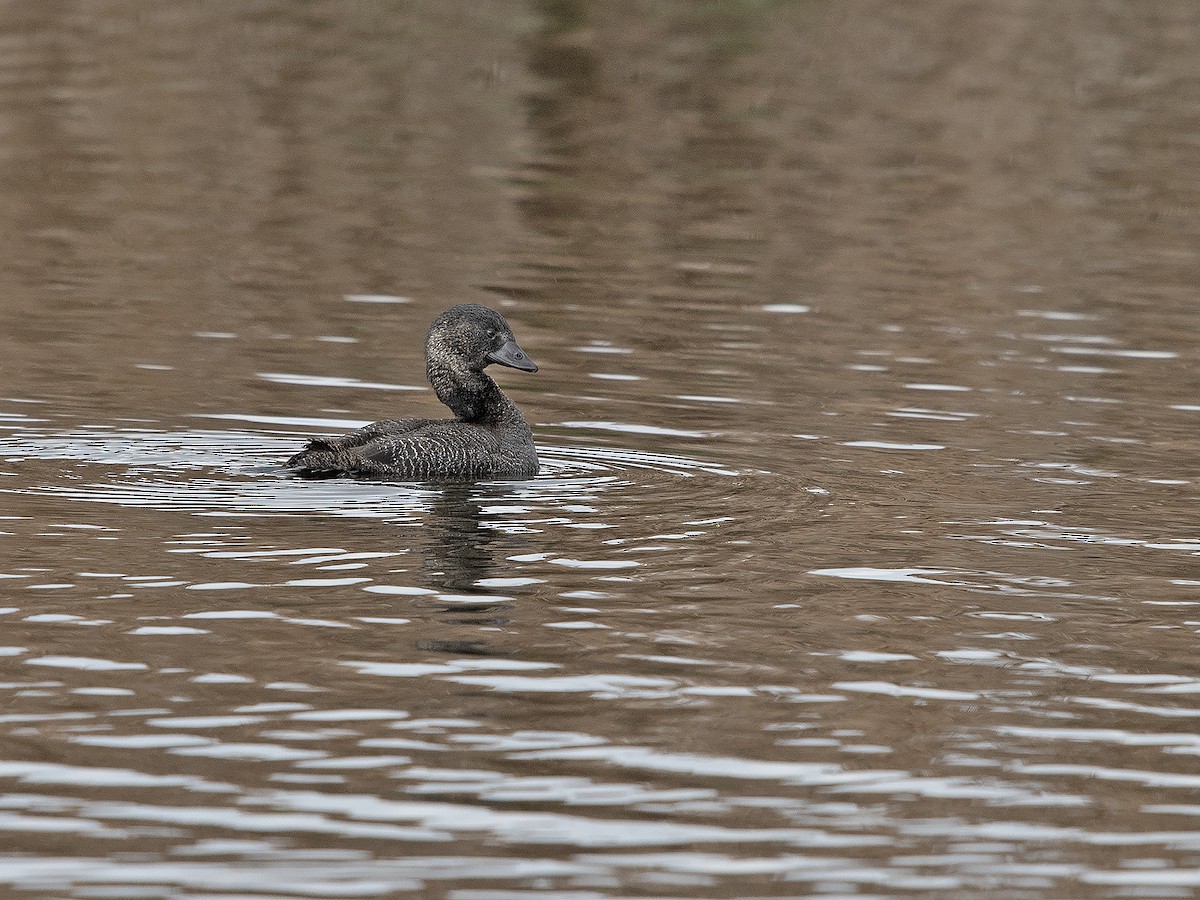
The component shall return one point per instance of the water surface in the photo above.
(863, 557)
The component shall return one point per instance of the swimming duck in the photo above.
(487, 438)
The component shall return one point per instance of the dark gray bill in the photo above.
(509, 354)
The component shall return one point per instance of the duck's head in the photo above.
(474, 336)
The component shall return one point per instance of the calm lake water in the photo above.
(863, 560)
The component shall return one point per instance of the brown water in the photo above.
(863, 559)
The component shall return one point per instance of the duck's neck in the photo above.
(471, 395)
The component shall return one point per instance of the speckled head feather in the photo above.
(467, 335)
(462, 342)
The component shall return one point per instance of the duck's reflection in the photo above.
(457, 556)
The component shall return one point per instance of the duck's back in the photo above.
(424, 449)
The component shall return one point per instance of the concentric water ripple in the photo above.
(158, 470)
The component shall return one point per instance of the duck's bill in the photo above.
(509, 354)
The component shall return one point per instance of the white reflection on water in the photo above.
(631, 428)
(334, 381)
(96, 776)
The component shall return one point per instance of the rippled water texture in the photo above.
(863, 560)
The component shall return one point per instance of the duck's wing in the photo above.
(436, 450)
(319, 453)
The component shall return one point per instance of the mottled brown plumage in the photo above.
(487, 438)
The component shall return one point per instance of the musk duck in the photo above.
(488, 438)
